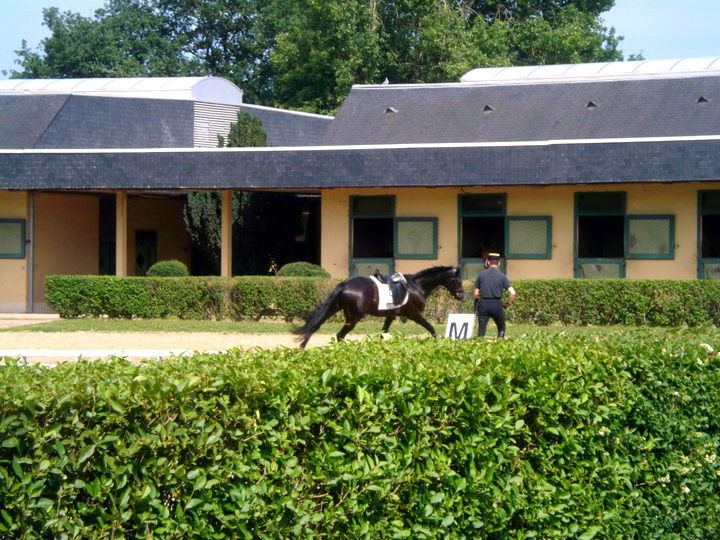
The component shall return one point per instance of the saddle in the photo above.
(397, 284)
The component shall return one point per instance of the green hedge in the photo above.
(170, 268)
(575, 302)
(302, 269)
(613, 436)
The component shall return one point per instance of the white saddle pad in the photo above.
(385, 296)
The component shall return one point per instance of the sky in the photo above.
(659, 29)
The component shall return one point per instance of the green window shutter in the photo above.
(711, 269)
(366, 267)
(416, 238)
(12, 238)
(650, 237)
(529, 237)
(601, 269)
(471, 269)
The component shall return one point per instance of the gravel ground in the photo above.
(188, 341)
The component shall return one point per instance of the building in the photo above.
(58, 229)
(587, 170)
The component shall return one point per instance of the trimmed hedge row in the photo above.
(187, 298)
(608, 436)
(576, 302)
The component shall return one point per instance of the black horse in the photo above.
(358, 297)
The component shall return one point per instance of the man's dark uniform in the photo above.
(491, 283)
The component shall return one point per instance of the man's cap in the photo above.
(493, 255)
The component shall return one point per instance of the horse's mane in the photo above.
(433, 270)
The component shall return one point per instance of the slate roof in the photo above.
(54, 120)
(651, 160)
(24, 119)
(465, 112)
(75, 121)
(290, 128)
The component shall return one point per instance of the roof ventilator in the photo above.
(591, 105)
(488, 109)
(703, 99)
(391, 110)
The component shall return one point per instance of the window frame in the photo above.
(396, 251)
(352, 261)
(671, 239)
(462, 261)
(577, 213)
(620, 262)
(548, 241)
(23, 238)
(700, 213)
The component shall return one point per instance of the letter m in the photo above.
(461, 333)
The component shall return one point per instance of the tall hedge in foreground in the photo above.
(552, 301)
(569, 437)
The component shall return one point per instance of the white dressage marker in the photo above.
(460, 326)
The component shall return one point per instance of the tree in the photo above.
(126, 38)
(264, 224)
(305, 54)
(152, 38)
(322, 47)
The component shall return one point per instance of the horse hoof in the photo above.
(386, 335)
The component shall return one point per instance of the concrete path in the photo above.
(11, 320)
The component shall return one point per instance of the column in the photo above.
(121, 227)
(226, 233)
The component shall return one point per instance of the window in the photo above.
(378, 237)
(416, 238)
(650, 237)
(709, 234)
(529, 237)
(600, 234)
(12, 238)
(481, 223)
(372, 221)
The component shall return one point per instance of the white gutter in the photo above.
(429, 146)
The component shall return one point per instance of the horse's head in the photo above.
(454, 283)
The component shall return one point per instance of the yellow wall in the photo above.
(555, 201)
(66, 238)
(13, 272)
(164, 216)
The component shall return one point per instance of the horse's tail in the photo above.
(319, 315)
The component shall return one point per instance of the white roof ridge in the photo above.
(200, 88)
(588, 72)
(301, 113)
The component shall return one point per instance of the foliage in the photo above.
(242, 298)
(263, 237)
(171, 268)
(141, 297)
(126, 38)
(602, 302)
(536, 437)
(568, 302)
(302, 269)
(248, 131)
(201, 214)
(305, 54)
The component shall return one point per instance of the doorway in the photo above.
(145, 251)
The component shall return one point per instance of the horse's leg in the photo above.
(422, 321)
(388, 321)
(353, 314)
(347, 327)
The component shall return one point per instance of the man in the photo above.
(489, 287)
